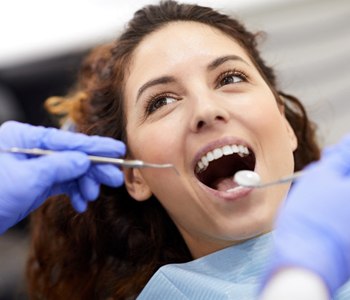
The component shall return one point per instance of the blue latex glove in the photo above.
(25, 182)
(312, 229)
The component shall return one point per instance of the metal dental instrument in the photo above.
(93, 158)
(251, 179)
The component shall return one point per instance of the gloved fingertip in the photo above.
(78, 203)
(108, 175)
(89, 188)
(115, 149)
(93, 194)
(119, 180)
(121, 148)
(82, 206)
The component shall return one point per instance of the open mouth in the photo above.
(216, 168)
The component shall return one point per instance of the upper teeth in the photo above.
(203, 163)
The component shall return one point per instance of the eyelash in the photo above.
(152, 100)
(237, 73)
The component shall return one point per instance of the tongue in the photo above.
(224, 184)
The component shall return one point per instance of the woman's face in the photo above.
(192, 95)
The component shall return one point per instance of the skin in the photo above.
(201, 111)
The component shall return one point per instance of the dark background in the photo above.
(23, 90)
(25, 87)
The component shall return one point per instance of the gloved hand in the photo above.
(312, 229)
(25, 182)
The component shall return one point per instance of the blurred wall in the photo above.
(308, 43)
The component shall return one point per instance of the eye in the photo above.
(156, 102)
(231, 77)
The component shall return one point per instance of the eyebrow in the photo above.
(220, 60)
(157, 81)
(170, 79)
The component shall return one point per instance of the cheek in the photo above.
(153, 143)
(269, 125)
(256, 107)
(261, 117)
(265, 114)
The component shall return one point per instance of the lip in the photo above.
(217, 144)
(228, 196)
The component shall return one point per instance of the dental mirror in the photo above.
(251, 179)
(247, 178)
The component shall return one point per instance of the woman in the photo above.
(183, 84)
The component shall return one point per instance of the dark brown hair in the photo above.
(113, 249)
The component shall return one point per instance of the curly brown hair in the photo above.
(112, 250)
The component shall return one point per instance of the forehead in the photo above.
(182, 44)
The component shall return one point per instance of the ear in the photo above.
(136, 184)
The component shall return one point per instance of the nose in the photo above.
(208, 112)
